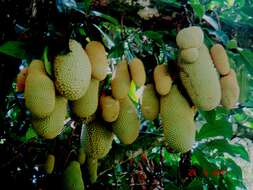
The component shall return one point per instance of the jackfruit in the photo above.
(126, 127)
(88, 103)
(96, 140)
(92, 165)
(36, 65)
(137, 72)
(190, 55)
(201, 81)
(162, 79)
(52, 125)
(72, 177)
(220, 59)
(49, 165)
(20, 81)
(150, 103)
(81, 156)
(230, 90)
(98, 59)
(177, 120)
(191, 37)
(39, 92)
(109, 108)
(72, 72)
(120, 81)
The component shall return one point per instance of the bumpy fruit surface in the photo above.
(162, 79)
(230, 90)
(96, 140)
(39, 91)
(120, 81)
(52, 125)
(49, 165)
(72, 72)
(109, 108)
(72, 177)
(92, 167)
(88, 103)
(126, 127)
(98, 59)
(20, 81)
(190, 55)
(177, 121)
(220, 59)
(137, 72)
(150, 103)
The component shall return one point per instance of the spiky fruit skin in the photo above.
(230, 90)
(96, 140)
(191, 37)
(81, 156)
(72, 72)
(150, 103)
(190, 55)
(52, 125)
(88, 103)
(220, 59)
(49, 165)
(177, 121)
(20, 81)
(92, 168)
(39, 92)
(126, 127)
(201, 81)
(98, 59)
(162, 79)
(120, 81)
(137, 72)
(72, 177)
(109, 108)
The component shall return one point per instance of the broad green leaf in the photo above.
(15, 49)
(31, 133)
(107, 17)
(170, 185)
(231, 168)
(210, 116)
(234, 184)
(154, 36)
(247, 56)
(195, 184)
(48, 65)
(198, 8)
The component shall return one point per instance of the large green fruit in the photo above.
(72, 72)
(49, 165)
(177, 121)
(137, 72)
(109, 108)
(92, 167)
(126, 127)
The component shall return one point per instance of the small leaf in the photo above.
(198, 8)
(107, 17)
(15, 49)
(195, 184)
(30, 134)
(232, 44)
(154, 36)
(48, 65)
(87, 5)
(108, 40)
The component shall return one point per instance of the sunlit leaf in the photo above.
(48, 65)
(195, 184)
(198, 8)
(15, 49)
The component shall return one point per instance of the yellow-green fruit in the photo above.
(120, 81)
(190, 55)
(39, 93)
(150, 103)
(96, 140)
(109, 108)
(72, 72)
(137, 72)
(36, 65)
(98, 59)
(191, 37)
(88, 103)
(126, 127)
(49, 165)
(81, 156)
(201, 81)
(177, 121)
(220, 59)
(162, 79)
(92, 168)
(72, 177)
(230, 90)
(52, 125)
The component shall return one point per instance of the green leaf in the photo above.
(107, 39)
(154, 36)
(107, 17)
(232, 44)
(15, 49)
(198, 8)
(195, 184)
(210, 116)
(48, 65)
(247, 56)
(87, 5)
(30, 134)
(231, 168)
(233, 183)
(217, 128)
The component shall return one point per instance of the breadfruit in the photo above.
(39, 93)
(126, 127)
(96, 140)
(191, 37)
(150, 103)
(230, 90)
(109, 108)
(190, 55)
(220, 59)
(120, 81)
(72, 177)
(177, 121)
(92, 165)
(49, 165)
(81, 156)
(88, 103)
(162, 79)
(98, 59)
(137, 72)
(72, 72)
(52, 125)
(201, 81)
(20, 81)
